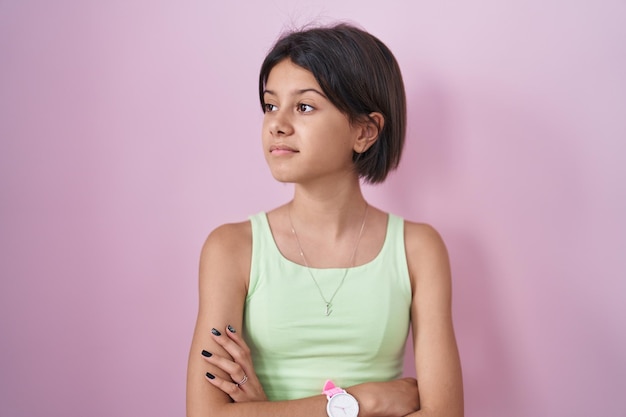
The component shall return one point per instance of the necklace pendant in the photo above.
(345, 272)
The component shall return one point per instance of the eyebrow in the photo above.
(297, 92)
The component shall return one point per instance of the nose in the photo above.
(279, 123)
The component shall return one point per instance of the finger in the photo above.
(241, 343)
(236, 337)
(234, 346)
(232, 389)
(241, 382)
(225, 342)
(233, 369)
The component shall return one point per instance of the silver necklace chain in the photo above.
(329, 303)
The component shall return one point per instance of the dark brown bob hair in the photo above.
(359, 75)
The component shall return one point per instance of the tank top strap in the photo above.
(395, 238)
(396, 248)
(261, 232)
(262, 247)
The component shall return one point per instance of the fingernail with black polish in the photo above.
(231, 329)
(210, 375)
(207, 354)
(216, 332)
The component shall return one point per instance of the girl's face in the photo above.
(305, 137)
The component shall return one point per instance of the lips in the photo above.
(282, 149)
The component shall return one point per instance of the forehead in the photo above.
(287, 75)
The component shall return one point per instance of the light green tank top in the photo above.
(296, 347)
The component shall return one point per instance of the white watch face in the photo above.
(342, 405)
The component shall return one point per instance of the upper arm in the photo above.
(437, 361)
(223, 279)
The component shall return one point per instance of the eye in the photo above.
(305, 108)
(267, 107)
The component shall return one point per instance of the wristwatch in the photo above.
(340, 403)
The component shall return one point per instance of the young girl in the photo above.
(304, 310)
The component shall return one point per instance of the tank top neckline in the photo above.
(283, 258)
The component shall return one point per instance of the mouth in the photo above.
(282, 149)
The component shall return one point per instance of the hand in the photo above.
(395, 398)
(244, 385)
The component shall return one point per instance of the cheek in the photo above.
(340, 136)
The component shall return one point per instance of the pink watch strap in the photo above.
(330, 389)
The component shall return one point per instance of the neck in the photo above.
(331, 211)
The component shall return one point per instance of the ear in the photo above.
(369, 132)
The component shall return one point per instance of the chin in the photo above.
(282, 176)
(281, 173)
(285, 179)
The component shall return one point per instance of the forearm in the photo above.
(391, 399)
(206, 400)
(306, 407)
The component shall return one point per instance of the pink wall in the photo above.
(129, 129)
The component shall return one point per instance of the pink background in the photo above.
(130, 129)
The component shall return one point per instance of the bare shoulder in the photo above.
(228, 248)
(427, 255)
(422, 237)
(230, 236)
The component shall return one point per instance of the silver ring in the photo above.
(243, 380)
